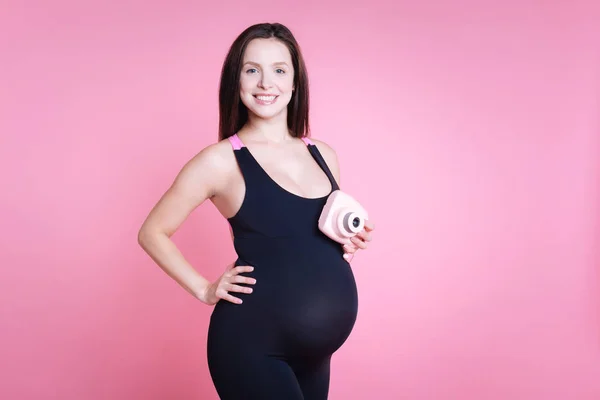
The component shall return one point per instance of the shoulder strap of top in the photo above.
(314, 151)
(236, 143)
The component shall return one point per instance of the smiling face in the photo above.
(267, 78)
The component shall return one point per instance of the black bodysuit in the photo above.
(278, 343)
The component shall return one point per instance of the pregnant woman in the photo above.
(289, 301)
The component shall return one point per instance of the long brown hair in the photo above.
(233, 114)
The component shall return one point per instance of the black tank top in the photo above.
(305, 299)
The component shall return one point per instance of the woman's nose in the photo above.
(265, 81)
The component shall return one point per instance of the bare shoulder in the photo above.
(214, 155)
(330, 157)
(207, 170)
(324, 148)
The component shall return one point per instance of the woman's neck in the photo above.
(273, 131)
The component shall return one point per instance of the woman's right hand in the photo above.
(228, 282)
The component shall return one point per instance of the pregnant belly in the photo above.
(304, 299)
(316, 308)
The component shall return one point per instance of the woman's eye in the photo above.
(251, 70)
(280, 71)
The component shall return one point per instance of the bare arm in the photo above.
(199, 179)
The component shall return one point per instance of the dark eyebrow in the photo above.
(258, 65)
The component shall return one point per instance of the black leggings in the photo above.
(270, 378)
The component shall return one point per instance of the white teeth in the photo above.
(266, 98)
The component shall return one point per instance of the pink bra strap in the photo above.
(307, 141)
(236, 142)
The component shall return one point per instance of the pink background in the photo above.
(471, 132)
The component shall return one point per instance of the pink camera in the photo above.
(342, 217)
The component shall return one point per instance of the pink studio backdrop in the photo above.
(469, 130)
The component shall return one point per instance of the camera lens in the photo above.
(350, 223)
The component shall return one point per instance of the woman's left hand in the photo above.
(360, 241)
